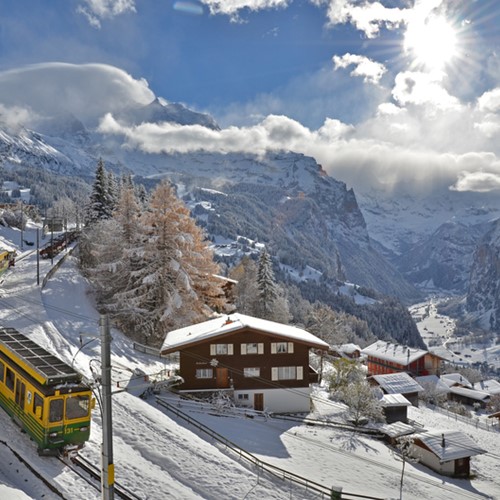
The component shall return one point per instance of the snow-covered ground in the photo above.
(437, 332)
(159, 456)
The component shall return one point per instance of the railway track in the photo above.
(90, 473)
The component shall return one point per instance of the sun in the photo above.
(431, 42)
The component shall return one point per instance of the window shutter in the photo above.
(290, 347)
(243, 348)
(230, 349)
(260, 348)
(273, 348)
(213, 350)
(274, 373)
(300, 372)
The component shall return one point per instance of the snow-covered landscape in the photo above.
(158, 455)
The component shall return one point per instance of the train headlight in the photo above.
(53, 434)
(84, 429)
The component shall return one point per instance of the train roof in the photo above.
(46, 368)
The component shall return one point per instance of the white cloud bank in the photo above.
(86, 90)
(371, 71)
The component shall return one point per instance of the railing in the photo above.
(277, 472)
(475, 421)
(153, 351)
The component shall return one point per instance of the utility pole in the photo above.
(108, 468)
(37, 256)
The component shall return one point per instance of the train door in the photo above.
(20, 393)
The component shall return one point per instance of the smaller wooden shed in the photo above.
(446, 452)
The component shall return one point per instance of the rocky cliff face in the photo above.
(443, 260)
(483, 297)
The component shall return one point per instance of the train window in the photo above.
(77, 407)
(38, 406)
(56, 410)
(9, 379)
(2, 371)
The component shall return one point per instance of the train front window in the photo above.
(77, 407)
(56, 410)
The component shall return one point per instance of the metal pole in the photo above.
(37, 256)
(52, 242)
(108, 468)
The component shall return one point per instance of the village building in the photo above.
(456, 380)
(398, 383)
(351, 351)
(491, 386)
(434, 388)
(385, 357)
(261, 364)
(468, 396)
(446, 452)
(395, 408)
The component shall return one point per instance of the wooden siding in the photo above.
(198, 356)
(426, 365)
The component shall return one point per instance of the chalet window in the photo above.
(9, 379)
(221, 349)
(287, 373)
(252, 348)
(243, 396)
(204, 373)
(251, 372)
(281, 347)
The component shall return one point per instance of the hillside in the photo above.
(157, 456)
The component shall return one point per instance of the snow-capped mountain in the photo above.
(483, 297)
(284, 200)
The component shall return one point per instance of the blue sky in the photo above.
(353, 80)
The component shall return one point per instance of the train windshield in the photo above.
(77, 407)
(56, 410)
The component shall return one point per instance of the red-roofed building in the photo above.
(384, 357)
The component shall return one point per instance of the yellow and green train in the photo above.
(7, 259)
(44, 396)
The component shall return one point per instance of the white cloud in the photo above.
(86, 90)
(97, 10)
(490, 101)
(414, 87)
(481, 182)
(369, 17)
(232, 8)
(371, 71)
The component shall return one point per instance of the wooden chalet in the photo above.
(446, 452)
(395, 408)
(264, 365)
(384, 357)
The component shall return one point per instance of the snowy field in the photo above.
(437, 332)
(159, 456)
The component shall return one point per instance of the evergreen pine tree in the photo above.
(268, 290)
(99, 206)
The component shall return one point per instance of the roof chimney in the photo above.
(443, 443)
(228, 321)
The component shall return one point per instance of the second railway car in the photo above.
(42, 394)
(7, 259)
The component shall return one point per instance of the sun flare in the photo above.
(432, 43)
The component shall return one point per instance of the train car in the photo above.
(44, 396)
(7, 259)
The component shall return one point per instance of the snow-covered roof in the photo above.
(231, 323)
(470, 393)
(348, 348)
(391, 400)
(397, 429)
(491, 386)
(397, 383)
(433, 382)
(456, 445)
(395, 353)
(451, 379)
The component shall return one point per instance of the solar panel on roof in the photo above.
(48, 366)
